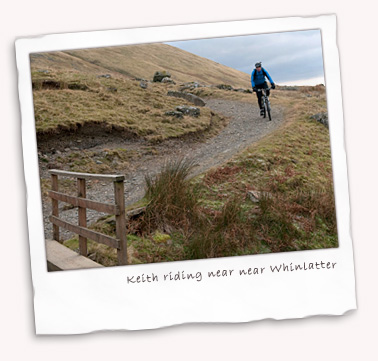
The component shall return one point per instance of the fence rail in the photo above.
(80, 201)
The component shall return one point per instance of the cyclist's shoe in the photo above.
(261, 111)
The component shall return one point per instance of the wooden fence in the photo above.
(80, 201)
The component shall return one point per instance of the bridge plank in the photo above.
(61, 258)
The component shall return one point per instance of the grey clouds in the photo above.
(289, 57)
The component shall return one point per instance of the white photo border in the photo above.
(83, 301)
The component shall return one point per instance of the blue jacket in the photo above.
(260, 77)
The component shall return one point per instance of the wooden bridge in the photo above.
(82, 203)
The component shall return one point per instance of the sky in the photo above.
(291, 58)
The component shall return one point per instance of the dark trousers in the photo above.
(259, 94)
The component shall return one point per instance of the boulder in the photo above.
(191, 85)
(321, 118)
(176, 114)
(188, 96)
(224, 87)
(160, 75)
(167, 80)
(143, 84)
(191, 111)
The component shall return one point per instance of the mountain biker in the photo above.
(258, 82)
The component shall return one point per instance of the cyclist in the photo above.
(258, 82)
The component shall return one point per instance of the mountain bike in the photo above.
(265, 103)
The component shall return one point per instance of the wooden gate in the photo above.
(80, 201)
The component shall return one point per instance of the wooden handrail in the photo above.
(80, 201)
(87, 233)
(85, 203)
(105, 177)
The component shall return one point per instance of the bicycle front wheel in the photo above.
(268, 109)
(264, 107)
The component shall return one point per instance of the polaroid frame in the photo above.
(82, 301)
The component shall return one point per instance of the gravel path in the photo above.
(245, 127)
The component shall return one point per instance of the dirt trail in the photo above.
(245, 127)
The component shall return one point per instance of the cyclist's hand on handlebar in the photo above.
(273, 86)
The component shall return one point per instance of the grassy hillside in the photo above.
(142, 61)
(69, 100)
(70, 90)
(42, 63)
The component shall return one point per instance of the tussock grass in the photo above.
(172, 201)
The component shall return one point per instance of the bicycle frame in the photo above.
(264, 97)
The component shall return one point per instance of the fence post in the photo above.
(82, 193)
(119, 196)
(55, 206)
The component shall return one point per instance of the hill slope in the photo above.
(142, 61)
(72, 89)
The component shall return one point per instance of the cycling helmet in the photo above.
(258, 65)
